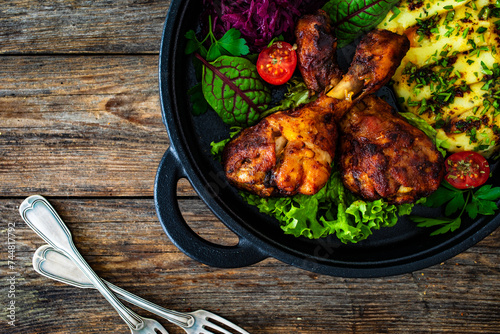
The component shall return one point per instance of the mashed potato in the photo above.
(451, 75)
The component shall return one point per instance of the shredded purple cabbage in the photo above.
(258, 20)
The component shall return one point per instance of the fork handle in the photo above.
(44, 220)
(54, 264)
(178, 318)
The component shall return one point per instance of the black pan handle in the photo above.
(167, 207)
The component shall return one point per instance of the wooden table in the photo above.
(80, 123)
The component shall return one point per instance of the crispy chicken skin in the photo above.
(291, 152)
(316, 51)
(286, 153)
(382, 156)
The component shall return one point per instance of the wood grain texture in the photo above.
(80, 123)
(123, 241)
(81, 26)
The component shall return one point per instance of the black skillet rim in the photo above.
(170, 55)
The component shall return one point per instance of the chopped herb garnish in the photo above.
(481, 30)
(466, 32)
(396, 12)
(485, 69)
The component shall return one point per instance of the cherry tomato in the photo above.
(277, 63)
(466, 170)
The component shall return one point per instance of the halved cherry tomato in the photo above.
(277, 63)
(466, 170)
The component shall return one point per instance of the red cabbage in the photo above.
(259, 21)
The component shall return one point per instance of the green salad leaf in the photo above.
(297, 94)
(230, 44)
(332, 210)
(216, 148)
(233, 88)
(352, 18)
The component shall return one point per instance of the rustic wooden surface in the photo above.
(80, 124)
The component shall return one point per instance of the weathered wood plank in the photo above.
(123, 241)
(80, 123)
(129, 26)
(81, 126)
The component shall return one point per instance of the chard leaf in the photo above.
(351, 18)
(233, 88)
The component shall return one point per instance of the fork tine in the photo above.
(210, 317)
(151, 326)
(217, 328)
(160, 331)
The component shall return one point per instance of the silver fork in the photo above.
(53, 264)
(44, 220)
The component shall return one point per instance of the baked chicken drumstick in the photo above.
(317, 52)
(291, 152)
(383, 156)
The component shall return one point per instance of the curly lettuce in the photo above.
(332, 210)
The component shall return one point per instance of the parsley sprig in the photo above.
(230, 44)
(474, 202)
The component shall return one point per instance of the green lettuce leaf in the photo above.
(216, 147)
(333, 210)
(297, 94)
(352, 18)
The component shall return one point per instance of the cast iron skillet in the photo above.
(400, 249)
